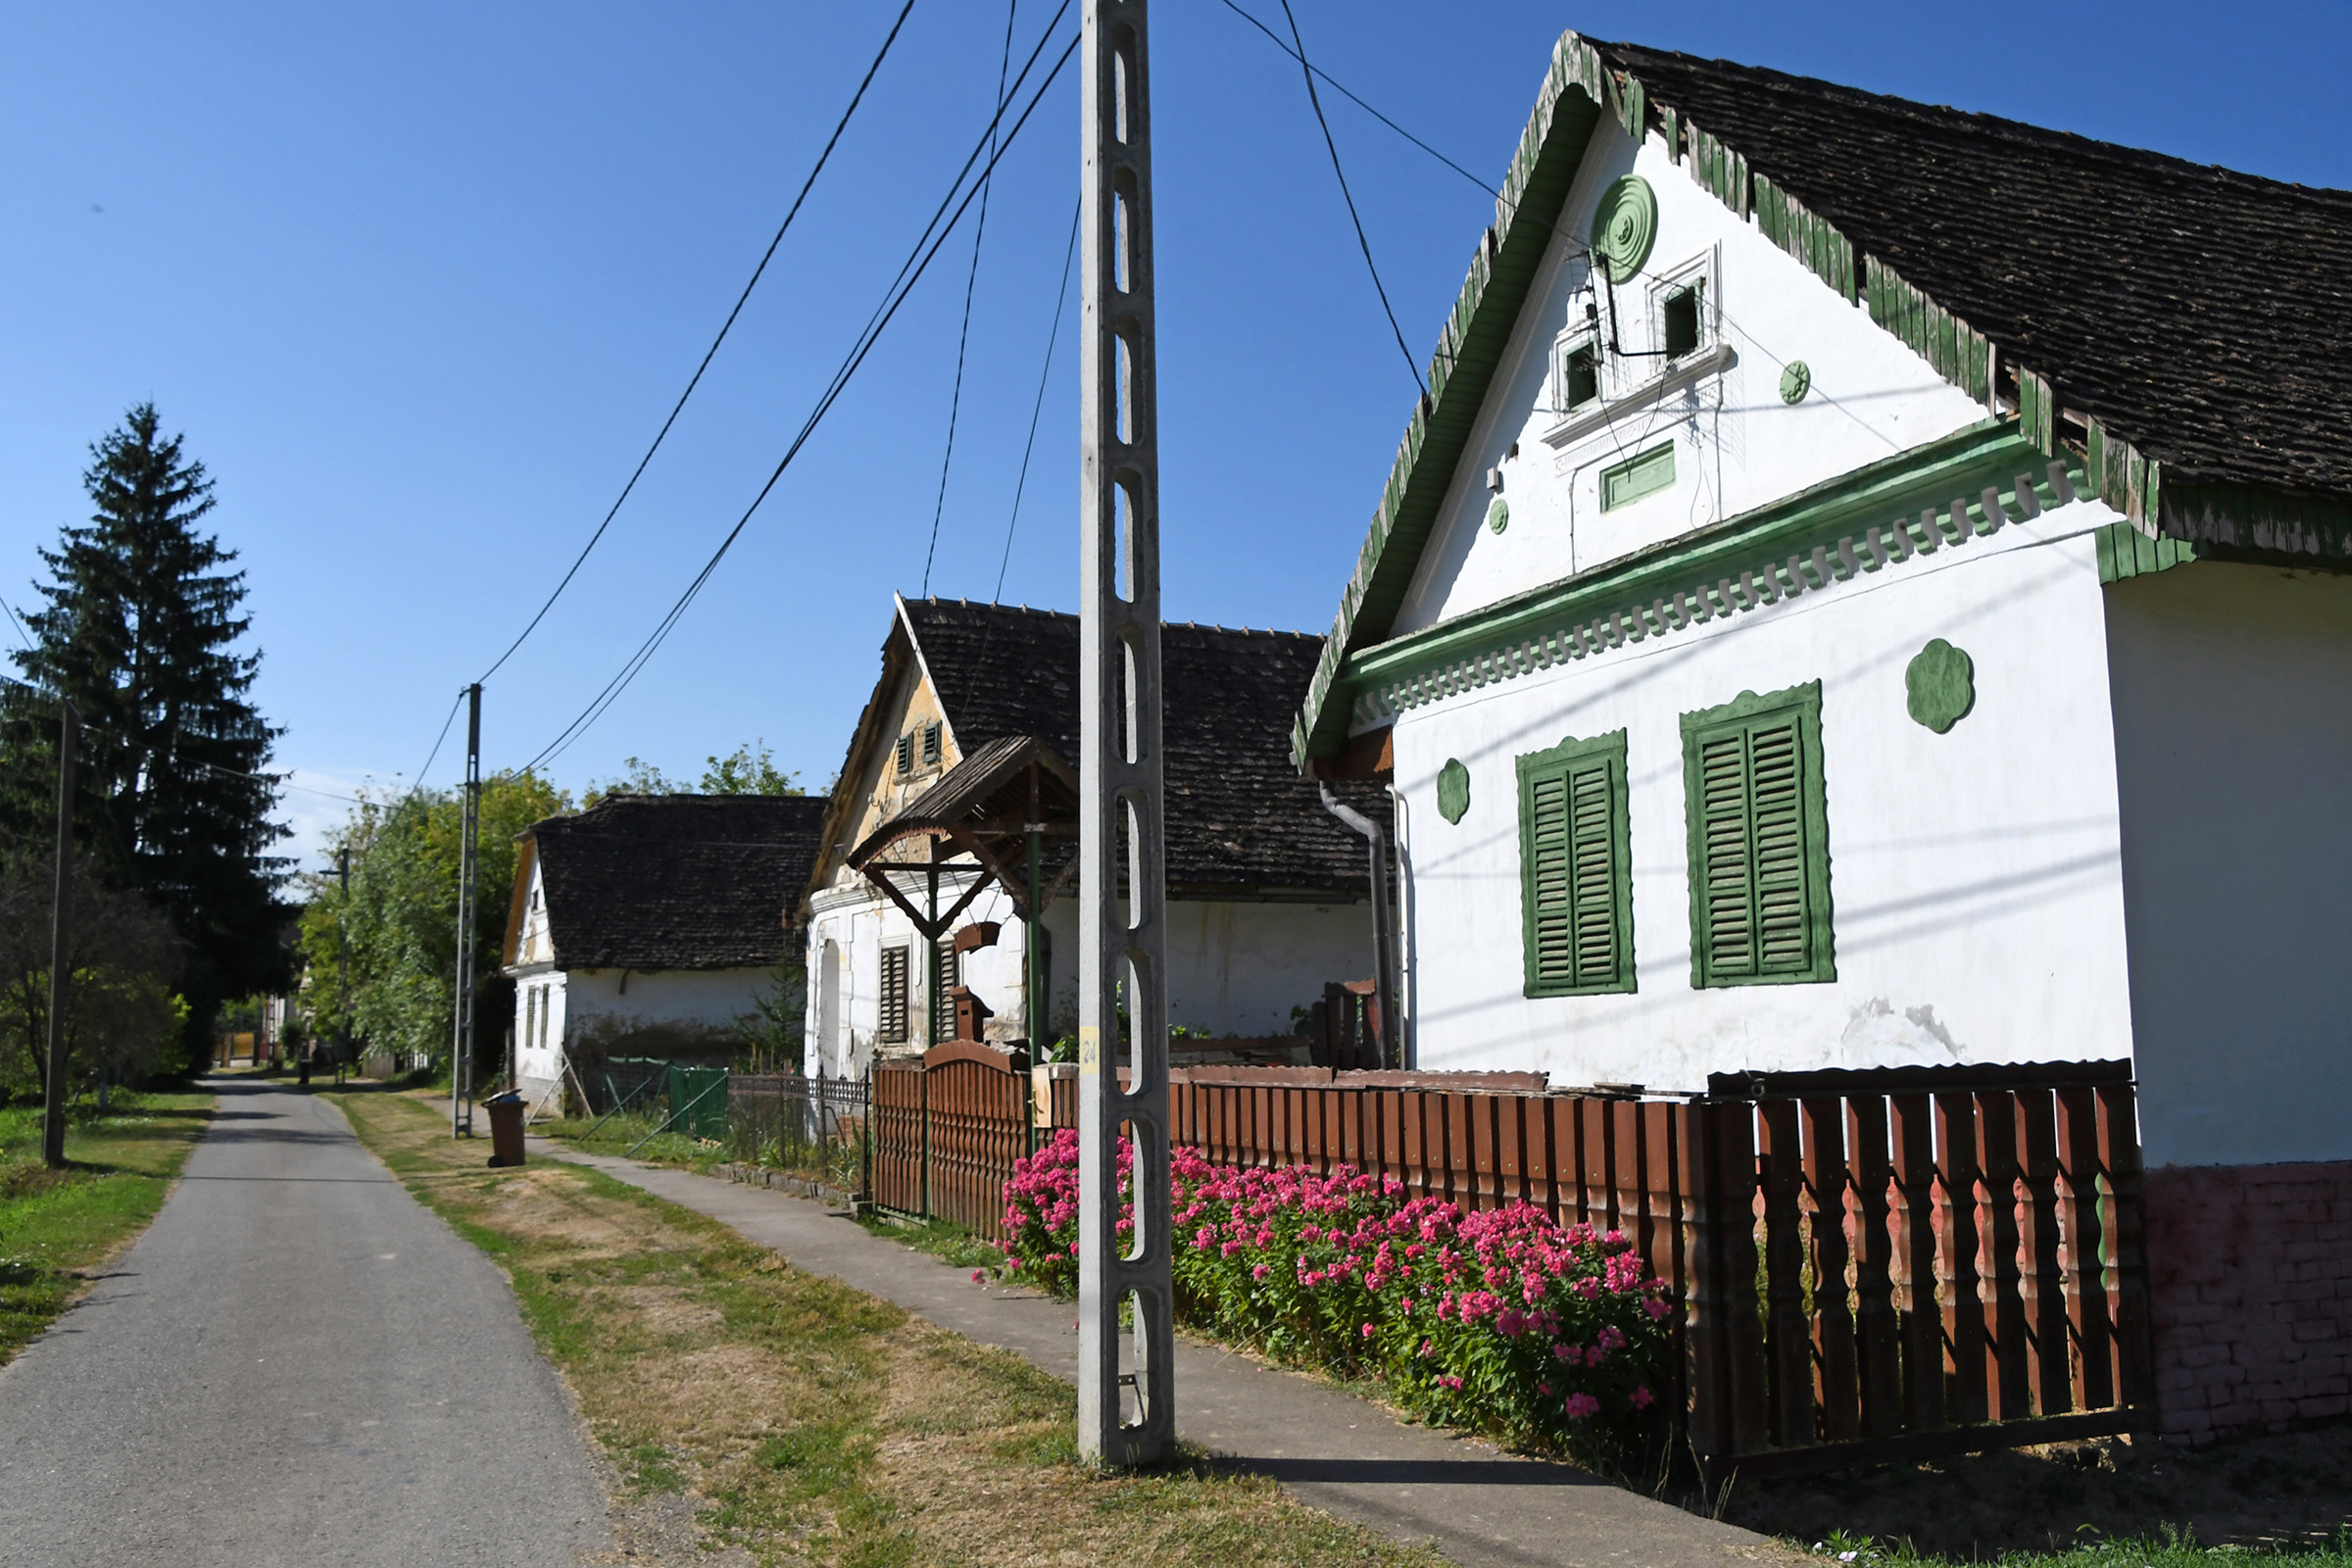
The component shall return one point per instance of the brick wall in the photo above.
(2250, 1293)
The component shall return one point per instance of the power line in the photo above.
(1315, 102)
(927, 247)
(769, 255)
(1341, 88)
(964, 334)
(1045, 375)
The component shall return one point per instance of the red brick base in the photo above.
(2250, 1293)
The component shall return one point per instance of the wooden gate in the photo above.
(948, 1126)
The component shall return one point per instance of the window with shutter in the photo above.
(906, 753)
(946, 965)
(891, 1027)
(931, 744)
(1759, 841)
(1575, 880)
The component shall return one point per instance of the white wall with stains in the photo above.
(1974, 877)
(2232, 695)
(1233, 968)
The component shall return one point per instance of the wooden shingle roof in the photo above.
(1240, 822)
(675, 881)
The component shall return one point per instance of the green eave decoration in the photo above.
(1498, 515)
(1453, 790)
(1942, 495)
(1625, 225)
(1941, 685)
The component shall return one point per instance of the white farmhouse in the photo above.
(1866, 588)
(923, 879)
(648, 925)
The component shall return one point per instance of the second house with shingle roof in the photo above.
(970, 737)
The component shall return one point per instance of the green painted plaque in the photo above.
(1453, 790)
(1498, 515)
(1942, 684)
(1625, 225)
(1795, 381)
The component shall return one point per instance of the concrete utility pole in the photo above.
(1121, 795)
(343, 963)
(461, 1060)
(61, 938)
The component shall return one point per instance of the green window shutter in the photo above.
(1576, 881)
(1759, 841)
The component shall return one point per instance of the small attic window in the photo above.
(905, 754)
(1579, 375)
(931, 744)
(1685, 315)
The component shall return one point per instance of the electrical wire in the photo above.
(927, 247)
(1341, 88)
(964, 334)
(724, 327)
(1315, 102)
(1044, 376)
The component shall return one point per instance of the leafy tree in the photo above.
(143, 632)
(122, 1018)
(399, 920)
(748, 770)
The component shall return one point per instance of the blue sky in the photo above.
(419, 283)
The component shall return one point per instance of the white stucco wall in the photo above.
(1974, 877)
(2232, 695)
(1233, 968)
(1737, 445)
(539, 1009)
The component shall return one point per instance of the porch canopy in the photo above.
(987, 806)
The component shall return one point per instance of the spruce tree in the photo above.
(141, 632)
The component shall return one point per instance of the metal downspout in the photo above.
(1383, 938)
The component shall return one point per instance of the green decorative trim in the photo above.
(1721, 172)
(1470, 349)
(1625, 225)
(1942, 495)
(1576, 887)
(1759, 841)
(1498, 515)
(1960, 354)
(2125, 553)
(1453, 790)
(1940, 685)
(1796, 380)
(2250, 523)
(1643, 474)
(1789, 223)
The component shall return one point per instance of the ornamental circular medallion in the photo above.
(1498, 515)
(1453, 790)
(1795, 381)
(1623, 227)
(1942, 684)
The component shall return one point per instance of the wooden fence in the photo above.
(1872, 1265)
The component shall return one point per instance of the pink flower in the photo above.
(1367, 1331)
(1642, 1398)
(978, 1275)
(1582, 1405)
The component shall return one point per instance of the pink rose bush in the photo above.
(1502, 1320)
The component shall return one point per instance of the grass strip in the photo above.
(2170, 1547)
(806, 1421)
(58, 1228)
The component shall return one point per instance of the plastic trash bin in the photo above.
(505, 1128)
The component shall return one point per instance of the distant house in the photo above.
(969, 736)
(645, 925)
(1867, 588)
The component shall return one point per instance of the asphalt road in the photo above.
(298, 1364)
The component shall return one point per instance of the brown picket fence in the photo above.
(1873, 1265)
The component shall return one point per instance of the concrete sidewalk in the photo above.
(1475, 1504)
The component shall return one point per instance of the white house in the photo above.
(977, 703)
(648, 925)
(1866, 588)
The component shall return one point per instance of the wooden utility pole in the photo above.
(1124, 1419)
(461, 1058)
(61, 938)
